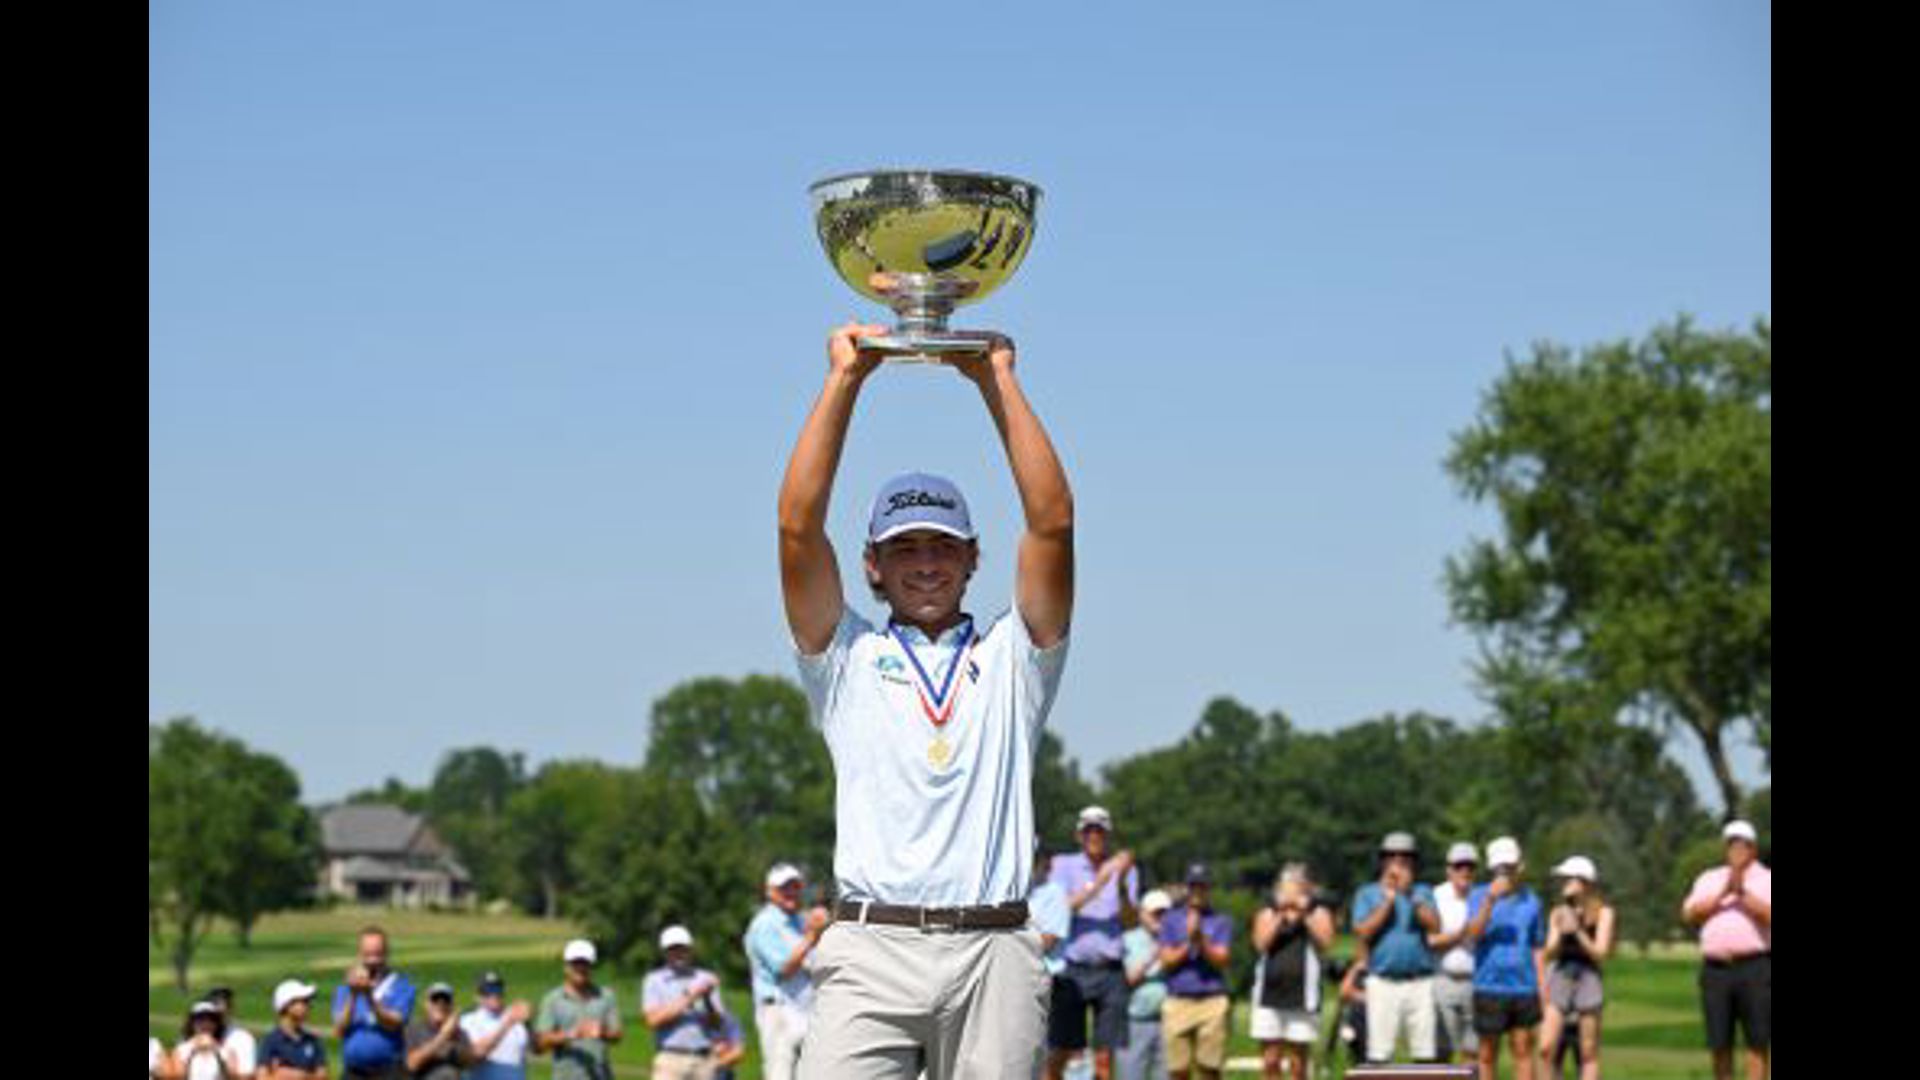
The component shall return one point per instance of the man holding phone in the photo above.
(685, 1011)
(1393, 917)
(370, 1011)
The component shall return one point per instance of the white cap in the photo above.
(290, 991)
(1095, 815)
(783, 873)
(1578, 866)
(580, 949)
(674, 936)
(204, 1008)
(1463, 852)
(1155, 900)
(1740, 830)
(1503, 852)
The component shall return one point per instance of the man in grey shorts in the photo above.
(931, 721)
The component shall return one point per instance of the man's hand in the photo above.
(979, 368)
(447, 1029)
(587, 1029)
(817, 920)
(844, 354)
(518, 1012)
(1501, 886)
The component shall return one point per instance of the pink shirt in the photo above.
(1730, 932)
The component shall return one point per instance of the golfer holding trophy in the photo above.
(931, 717)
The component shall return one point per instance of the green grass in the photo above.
(1652, 1032)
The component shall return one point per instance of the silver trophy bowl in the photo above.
(923, 242)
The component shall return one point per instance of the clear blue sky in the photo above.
(479, 333)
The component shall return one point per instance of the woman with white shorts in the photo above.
(1289, 935)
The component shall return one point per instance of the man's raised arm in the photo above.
(809, 573)
(1044, 590)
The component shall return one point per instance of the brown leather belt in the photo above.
(995, 917)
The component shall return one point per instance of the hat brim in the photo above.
(920, 526)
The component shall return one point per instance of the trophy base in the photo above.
(928, 348)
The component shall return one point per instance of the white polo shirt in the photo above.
(908, 831)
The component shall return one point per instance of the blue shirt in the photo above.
(1399, 950)
(914, 825)
(367, 1044)
(1195, 977)
(771, 938)
(697, 1029)
(303, 1051)
(1048, 909)
(1094, 937)
(1503, 955)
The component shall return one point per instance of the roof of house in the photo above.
(371, 829)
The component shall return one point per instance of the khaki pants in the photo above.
(1195, 1030)
(668, 1065)
(781, 1030)
(890, 1001)
(1392, 1005)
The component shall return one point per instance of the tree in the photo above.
(394, 792)
(226, 835)
(751, 754)
(277, 857)
(1059, 793)
(566, 804)
(467, 804)
(1634, 575)
(684, 866)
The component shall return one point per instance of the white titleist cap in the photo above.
(580, 949)
(675, 937)
(1503, 852)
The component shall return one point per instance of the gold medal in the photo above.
(939, 752)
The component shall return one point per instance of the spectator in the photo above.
(200, 1055)
(241, 1047)
(1732, 905)
(1579, 940)
(779, 941)
(579, 1020)
(1453, 989)
(290, 1051)
(1289, 936)
(1392, 918)
(685, 1010)
(1103, 891)
(1145, 1054)
(1351, 1028)
(370, 1011)
(437, 1047)
(1507, 924)
(1194, 948)
(498, 1032)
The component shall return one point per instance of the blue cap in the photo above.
(919, 501)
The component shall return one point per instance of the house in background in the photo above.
(378, 854)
